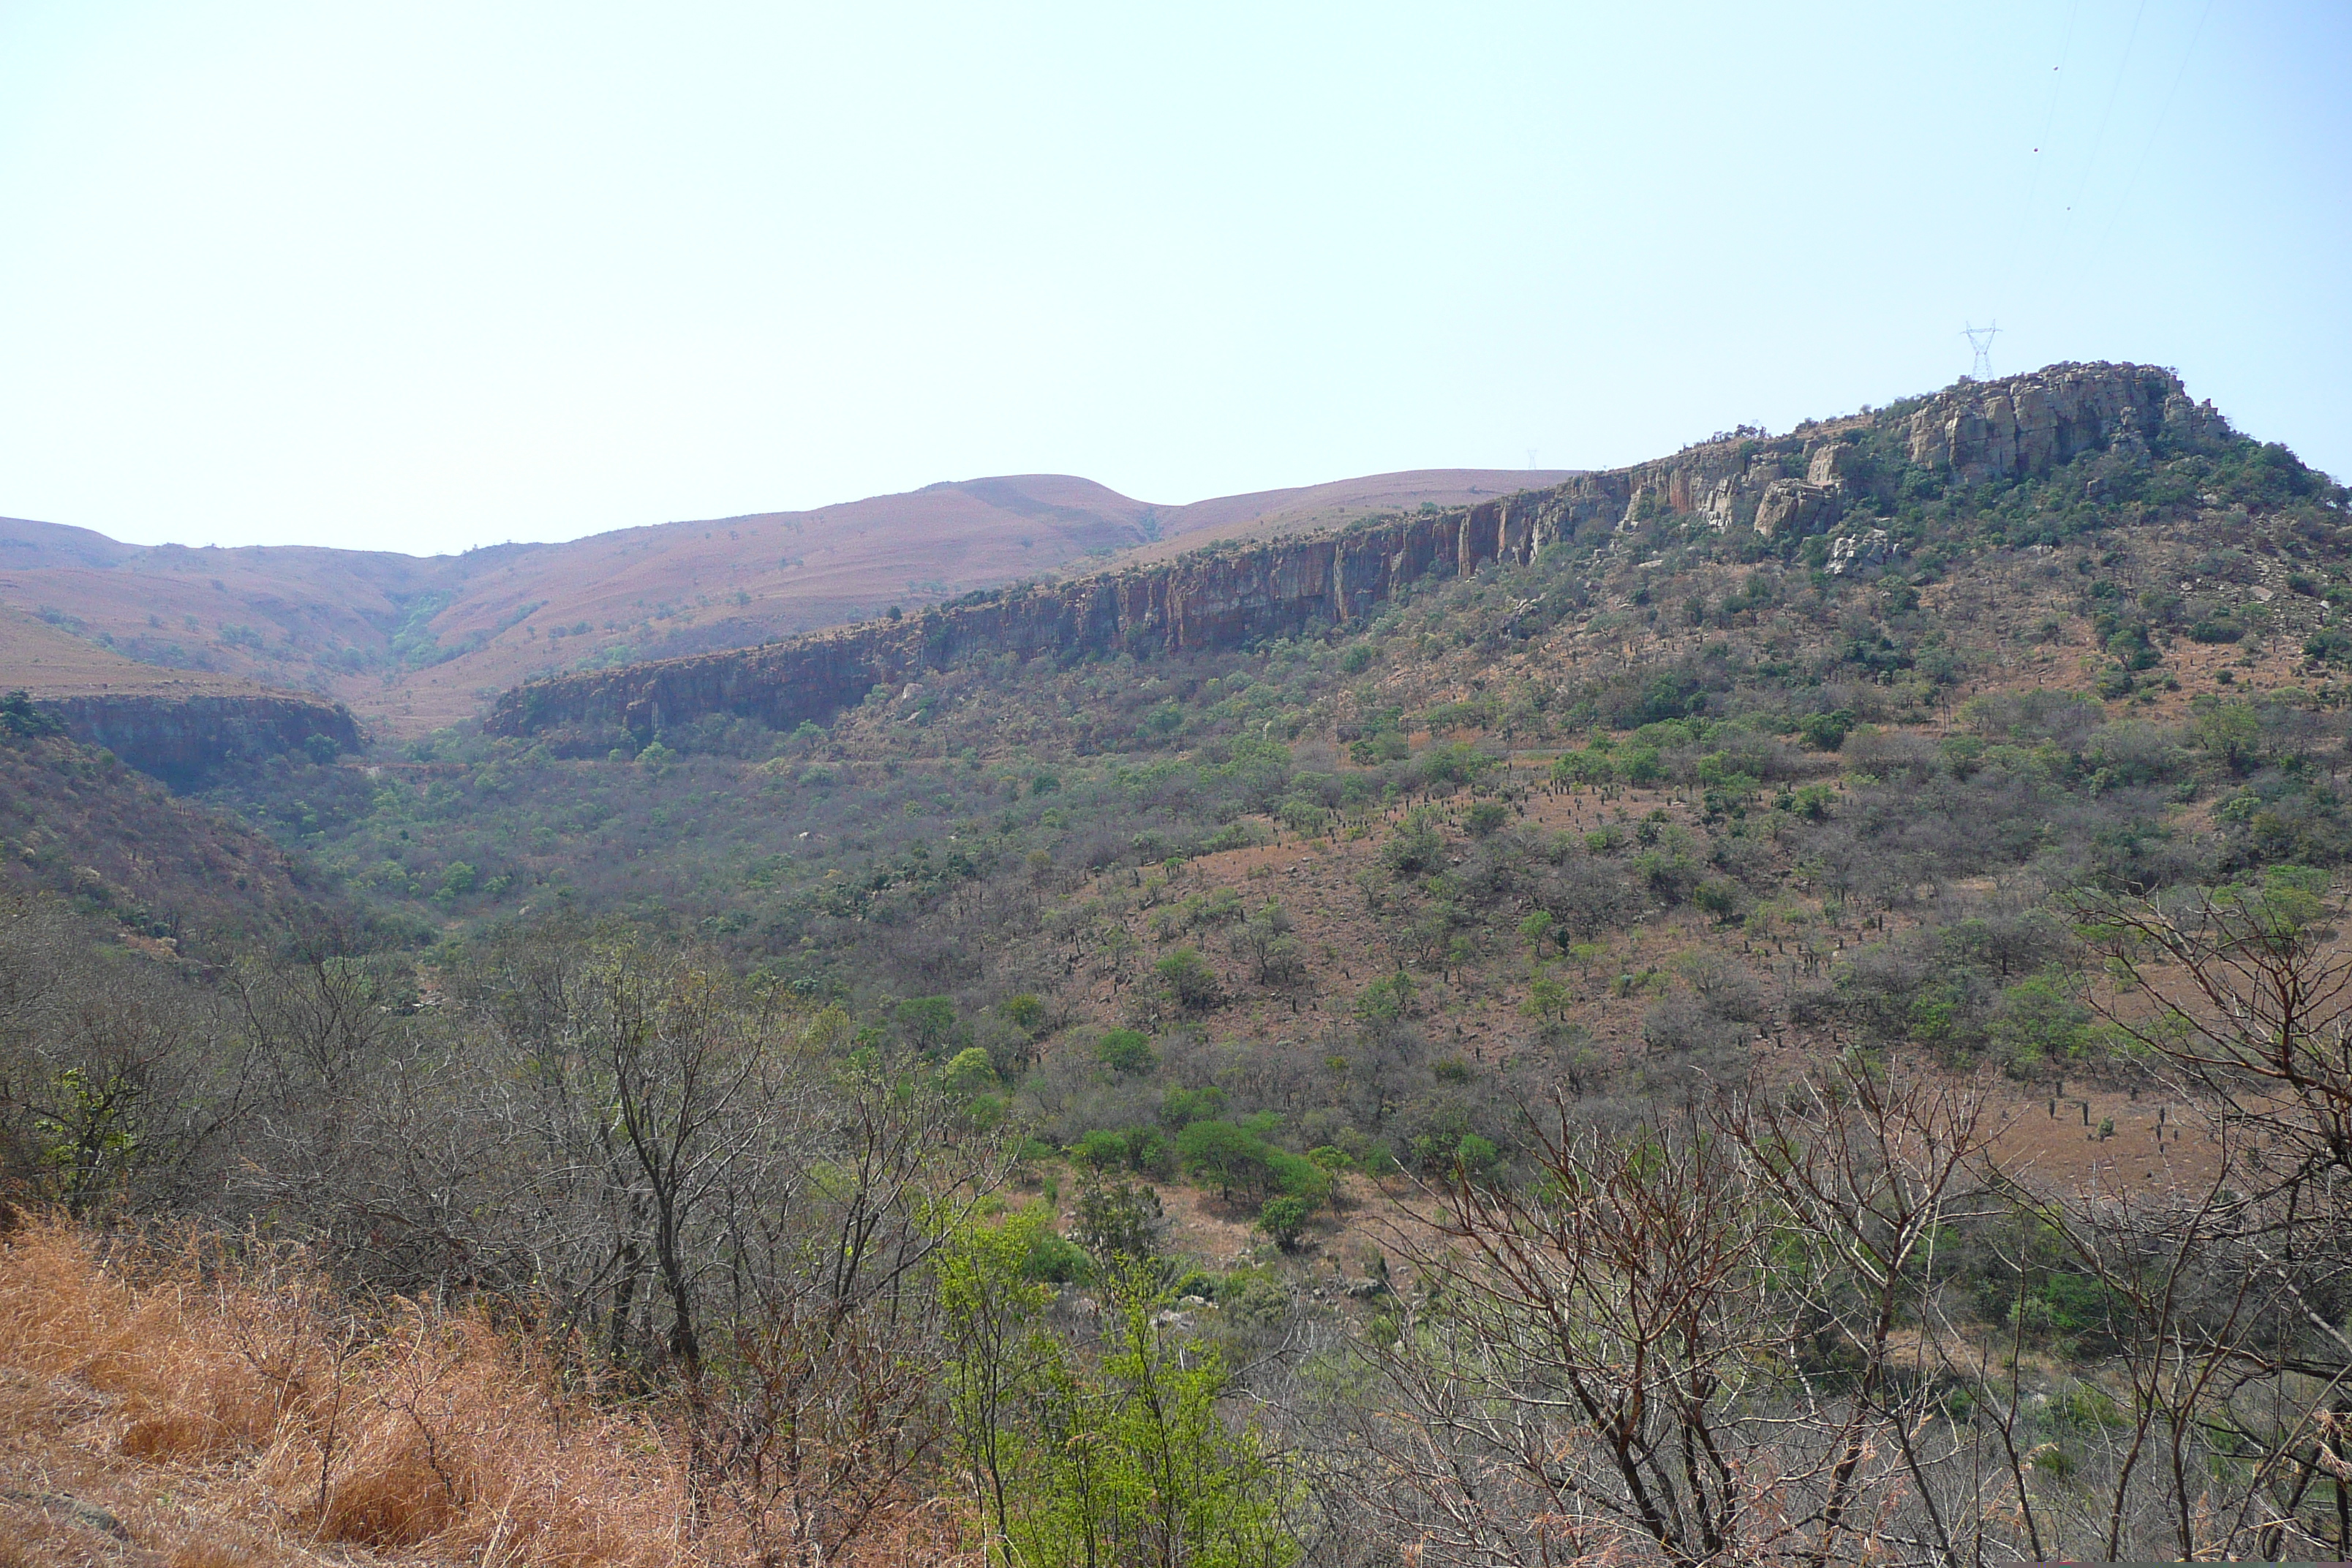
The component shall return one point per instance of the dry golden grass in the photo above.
(197, 1410)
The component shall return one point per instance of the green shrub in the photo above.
(1126, 1051)
(1476, 1156)
(1102, 1148)
(969, 1072)
(1189, 979)
(1229, 1157)
(1283, 1218)
(1583, 767)
(1179, 1108)
(1825, 731)
(1054, 1261)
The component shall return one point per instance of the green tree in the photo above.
(968, 1073)
(1546, 998)
(1283, 1218)
(928, 1021)
(1387, 999)
(1118, 1223)
(1079, 1462)
(1189, 979)
(1536, 930)
(2038, 1024)
(993, 1310)
(1228, 1155)
(1126, 1051)
(1146, 1474)
(1584, 767)
(1416, 847)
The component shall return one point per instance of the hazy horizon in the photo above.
(418, 279)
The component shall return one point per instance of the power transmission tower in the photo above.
(1980, 338)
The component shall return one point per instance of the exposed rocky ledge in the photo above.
(1226, 596)
(179, 738)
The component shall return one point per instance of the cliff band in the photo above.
(179, 738)
(1225, 596)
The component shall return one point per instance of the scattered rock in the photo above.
(1851, 551)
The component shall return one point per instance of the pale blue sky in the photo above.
(421, 276)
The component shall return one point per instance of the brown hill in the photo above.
(1268, 514)
(50, 662)
(414, 643)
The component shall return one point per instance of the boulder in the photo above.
(1795, 506)
(1831, 465)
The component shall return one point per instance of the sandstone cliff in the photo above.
(179, 738)
(2030, 424)
(1802, 482)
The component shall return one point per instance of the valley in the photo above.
(1850, 920)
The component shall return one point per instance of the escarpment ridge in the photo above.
(1809, 481)
(176, 725)
(178, 739)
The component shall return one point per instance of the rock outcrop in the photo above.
(2030, 424)
(1224, 597)
(1852, 552)
(1796, 506)
(178, 739)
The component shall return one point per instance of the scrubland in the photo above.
(1666, 1053)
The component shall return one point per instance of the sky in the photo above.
(422, 277)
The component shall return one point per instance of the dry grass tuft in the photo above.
(210, 1555)
(294, 1420)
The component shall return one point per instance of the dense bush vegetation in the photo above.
(1558, 941)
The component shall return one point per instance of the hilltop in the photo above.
(411, 644)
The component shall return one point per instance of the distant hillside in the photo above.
(1892, 877)
(413, 643)
(75, 822)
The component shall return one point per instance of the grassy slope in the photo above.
(203, 1408)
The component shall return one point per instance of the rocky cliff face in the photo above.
(178, 739)
(1221, 598)
(2030, 424)
(1212, 599)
